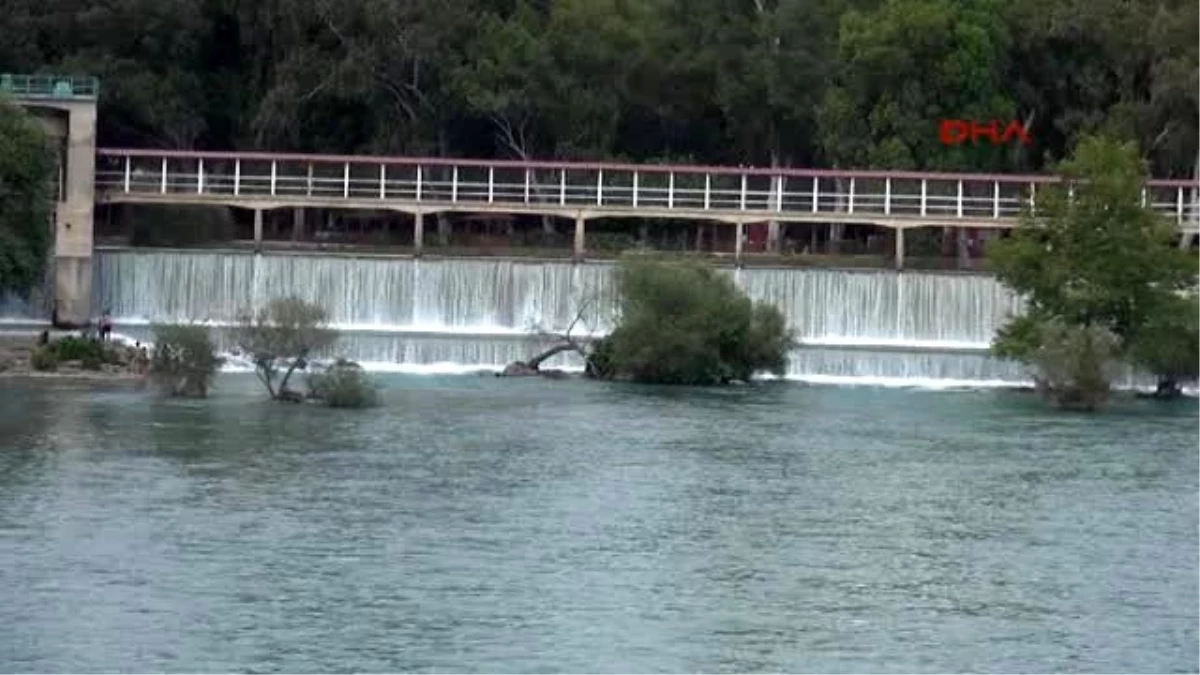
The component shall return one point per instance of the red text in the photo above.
(957, 132)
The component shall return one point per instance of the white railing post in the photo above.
(924, 195)
(671, 190)
(782, 183)
(128, 170)
(418, 182)
(1144, 197)
(996, 199)
(237, 177)
(454, 184)
(600, 187)
(1179, 206)
(274, 176)
(816, 194)
(635, 189)
(346, 180)
(707, 190)
(960, 199)
(526, 186)
(562, 187)
(887, 196)
(163, 186)
(850, 205)
(310, 179)
(491, 184)
(1033, 198)
(742, 204)
(200, 176)
(383, 181)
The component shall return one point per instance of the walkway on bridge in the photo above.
(583, 191)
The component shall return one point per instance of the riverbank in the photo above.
(16, 349)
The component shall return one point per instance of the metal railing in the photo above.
(591, 189)
(49, 86)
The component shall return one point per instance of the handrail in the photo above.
(50, 86)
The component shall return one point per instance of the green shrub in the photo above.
(343, 385)
(184, 360)
(688, 323)
(1168, 344)
(72, 348)
(1074, 365)
(44, 359)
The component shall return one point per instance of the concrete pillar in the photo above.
(258, 229)
(418, 232)
(297, 224)
(1185, 240)
(773, 236)
(73, 219)
(739, 241)
(579, 238)
(963, 250)
(899, 248)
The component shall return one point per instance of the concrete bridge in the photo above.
(737, 196)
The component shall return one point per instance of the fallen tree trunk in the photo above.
(532, 366)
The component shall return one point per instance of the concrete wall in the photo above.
(73, 215)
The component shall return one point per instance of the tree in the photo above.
(287, 330)
(1099, 257)
(26, 199)
(904, 67)
(184, 360)
(1074, 364)
(344, 384)
(1092, 256)
(1168, 343)
(688, 323)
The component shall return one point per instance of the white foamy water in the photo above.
(466, 315)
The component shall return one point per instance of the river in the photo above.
(476, 524)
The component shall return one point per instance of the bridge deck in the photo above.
(576, 190)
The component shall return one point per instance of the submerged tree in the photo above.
(344, 384)
(1092, 256)
(184, 361)
(1168, 343)
(1074, 365)
(26, 199)
(281, 337)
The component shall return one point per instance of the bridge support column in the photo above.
(1185, 240)
(73, 220)
(773, 236)
(899, 248)
(739, 236)
(297, 224)
(580, 232)
(258, 230)
(418, 232)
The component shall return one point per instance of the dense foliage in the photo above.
(688, 323)
(1093, 257)
(89, 353)
(26, 199)
(184, 361)
(282, 335)
(344, 384)
(799, 82)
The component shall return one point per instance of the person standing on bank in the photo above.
(105, 326)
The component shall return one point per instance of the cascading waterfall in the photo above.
(487, 312)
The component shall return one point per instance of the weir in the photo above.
(488, 312)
